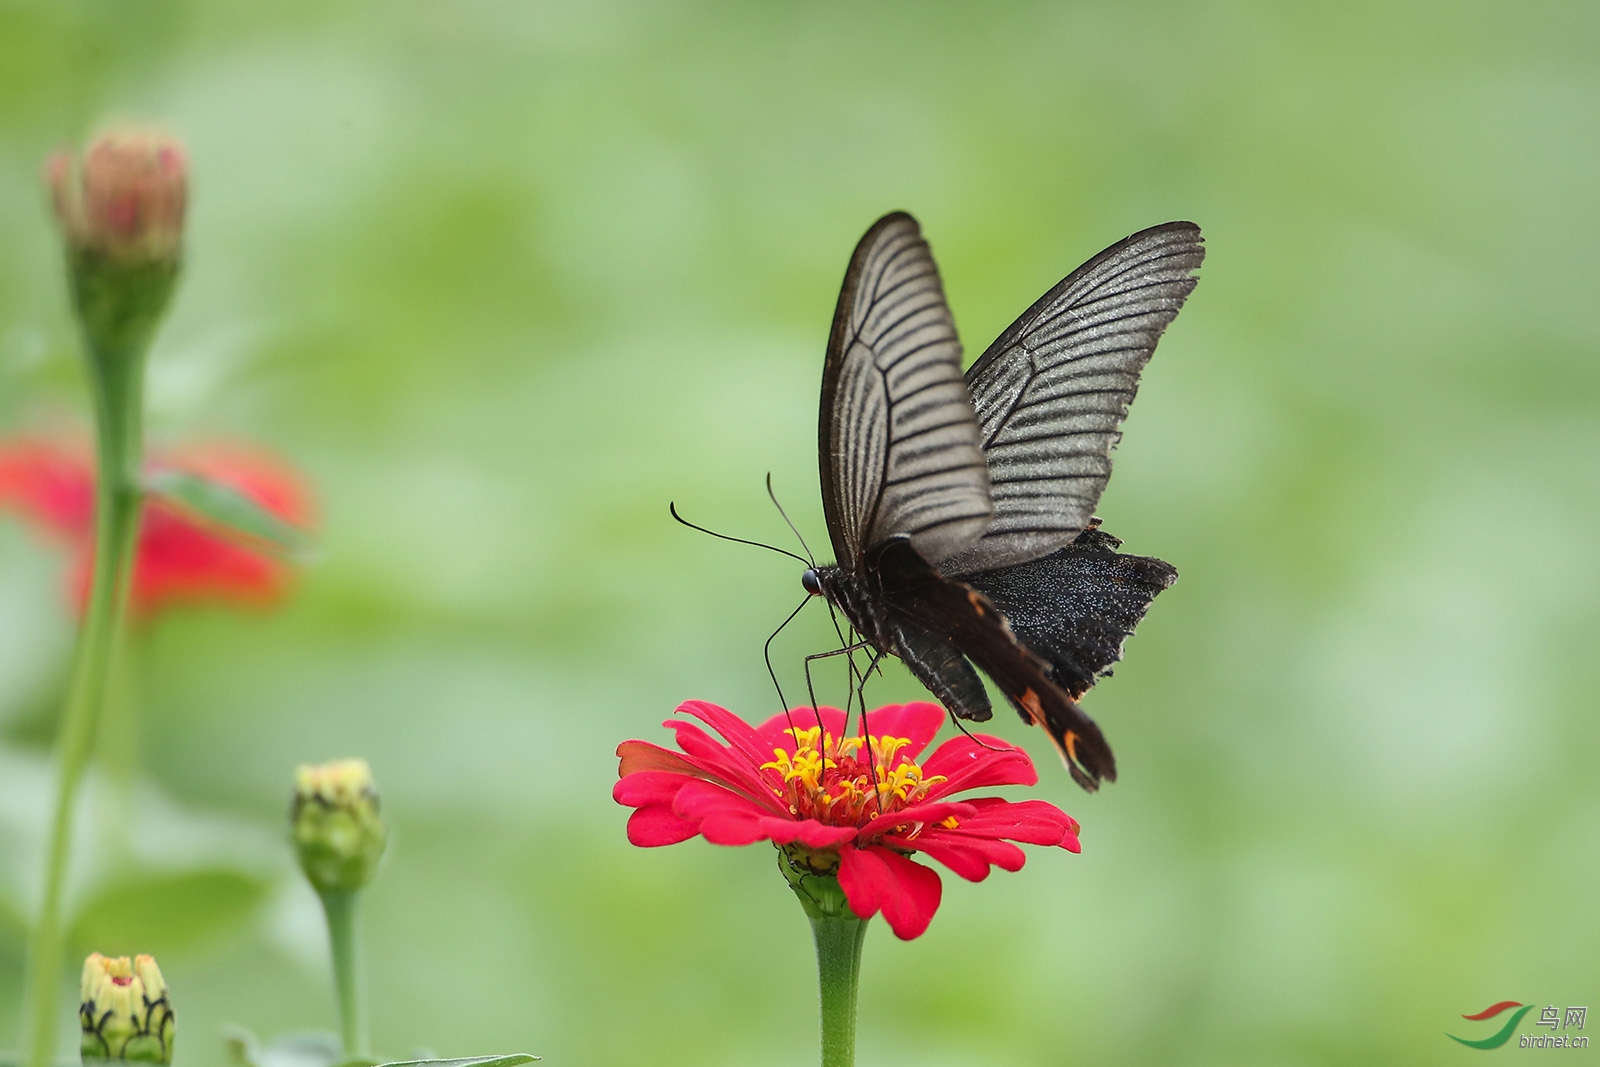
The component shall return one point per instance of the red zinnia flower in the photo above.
(816, 794)
(177, 560)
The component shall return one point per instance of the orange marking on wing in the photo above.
(977, 602)
(1030, 702)
(1071, 741)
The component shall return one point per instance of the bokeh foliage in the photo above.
(505, 277)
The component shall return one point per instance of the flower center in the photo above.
(831, 779)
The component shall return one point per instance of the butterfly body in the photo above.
(892, 601)
(960, 506)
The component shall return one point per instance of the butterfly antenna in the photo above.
(774, 497)
(766, 654)
(673, 508)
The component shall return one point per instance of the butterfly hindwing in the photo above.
(1052, 390)
(898, 437)
(936, 608)
(1076, 606)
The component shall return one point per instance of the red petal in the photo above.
(774, 733)
(180, 562)
(918, 722)
(649, 787)
(656, 825)
(739, 735)
(875, 879)
(863, 877)
(969, 857)
(925, 813)
(176, 560)
(963, 861)
(641, 756)
(817, 836)
(717, 762)
(51, 483)
(1033, 822)
(724, 817)
(969, 765)
(734, 829)
(910, 910)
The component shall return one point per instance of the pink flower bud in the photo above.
(125, 198)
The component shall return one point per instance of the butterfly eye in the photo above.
(812, 583)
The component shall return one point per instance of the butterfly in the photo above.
(961, 507)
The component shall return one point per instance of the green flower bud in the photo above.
(338, 830)
(124, 1011)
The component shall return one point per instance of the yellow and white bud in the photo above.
(125, 1011)
(337, 826)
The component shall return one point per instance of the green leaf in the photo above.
(311, 1049)
(510, 1059)
(168, 911)
(229, 512)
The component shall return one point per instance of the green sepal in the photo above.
(819, 893)
(226, 510)
(119, 304)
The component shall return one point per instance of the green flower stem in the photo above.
(343, 911)
(839, 936)
(839, 942)
(117, 382)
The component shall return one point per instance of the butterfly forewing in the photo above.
(899, 441)
(1052, 390)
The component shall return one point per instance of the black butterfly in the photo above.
(961, 508)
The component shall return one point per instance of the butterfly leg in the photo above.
(833, 616)
(858, 685)
(847, 650)
(866, 731)
(861, 683)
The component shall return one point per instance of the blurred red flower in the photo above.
(178, 561)
(810, 791)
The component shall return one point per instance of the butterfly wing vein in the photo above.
(900, 436)
(1052, 391)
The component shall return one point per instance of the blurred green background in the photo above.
(505, 277)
